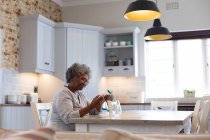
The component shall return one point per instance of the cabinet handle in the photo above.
(46, 63)
(110, 69)
(126, 69)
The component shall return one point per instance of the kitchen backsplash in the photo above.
(13, 82)
(125, 89)
(9, 24)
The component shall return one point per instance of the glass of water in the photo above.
(116, 107)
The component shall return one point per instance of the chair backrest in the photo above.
(203, 117)
(41, 113)
(206, 97)
(200, 117)
(164, 105)
(195, 116)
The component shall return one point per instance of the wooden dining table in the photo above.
(145, 121)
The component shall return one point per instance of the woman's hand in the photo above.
(97, 101)
(106, 97)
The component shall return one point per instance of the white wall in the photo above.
(48, 86)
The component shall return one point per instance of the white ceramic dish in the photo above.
(114, 43)
(108, 44)
(122, 43)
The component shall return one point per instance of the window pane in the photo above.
(190, 65)
(208, 41)
(160, 71)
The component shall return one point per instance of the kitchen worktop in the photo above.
(15, 105)
(179, 104)
(182, 101)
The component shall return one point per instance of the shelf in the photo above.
(122, 59)
(118, 47)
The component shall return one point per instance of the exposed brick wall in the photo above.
(9, 24)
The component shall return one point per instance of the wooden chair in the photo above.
(200, 117)
(164, 105)
(195, 116)
(41, 113)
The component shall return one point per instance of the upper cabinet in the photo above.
(36, 44)
(121, 51)
(78, 43)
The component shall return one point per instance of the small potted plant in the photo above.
(189, 93)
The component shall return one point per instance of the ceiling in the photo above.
(65, 3)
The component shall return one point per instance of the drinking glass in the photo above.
(116, 107)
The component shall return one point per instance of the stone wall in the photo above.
(9, 24)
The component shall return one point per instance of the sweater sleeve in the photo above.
(65, 109)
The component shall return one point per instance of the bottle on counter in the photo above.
(104, 109)
(111, 95)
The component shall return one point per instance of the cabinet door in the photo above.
(45, 48)
(83, 47)
(74, 46)
(126, 70)
(111, 71)
(16, 118)
(49, 49)
(130, 107)
(41, 45)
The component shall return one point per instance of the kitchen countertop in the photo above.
(15, 105)
(179, 104)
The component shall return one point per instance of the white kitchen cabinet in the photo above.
(16, 117)
(81, 44)
(130, 107)
(36, 44)
(121, 51)
(134, 107)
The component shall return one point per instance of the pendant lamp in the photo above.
(157, 32)
(142, 10)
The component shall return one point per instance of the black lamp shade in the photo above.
(157, 32)
(142, 10)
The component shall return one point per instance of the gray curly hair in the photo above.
(77, 70)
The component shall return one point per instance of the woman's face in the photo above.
(80, 82)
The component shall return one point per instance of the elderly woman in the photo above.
(70, 102)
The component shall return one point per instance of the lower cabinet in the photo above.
(133, 107)
(130, 107)
(16, 117)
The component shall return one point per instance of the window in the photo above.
(175, 65)
(159, 70)
(190, 65)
